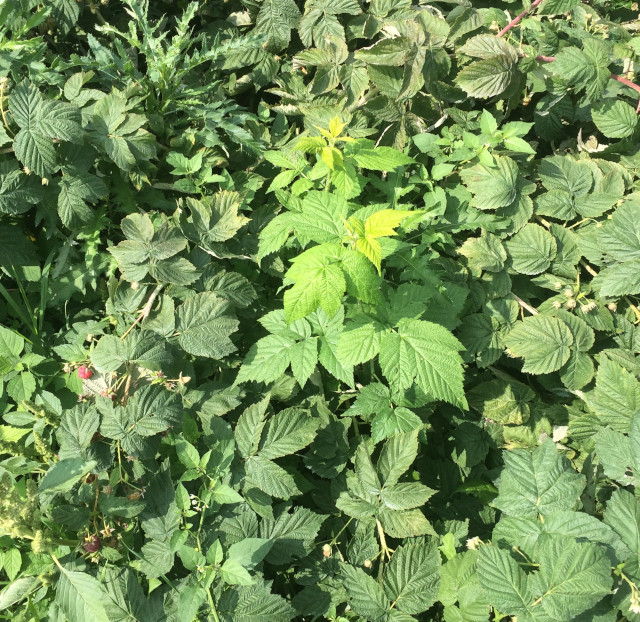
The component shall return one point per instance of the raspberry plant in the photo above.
(319, 310)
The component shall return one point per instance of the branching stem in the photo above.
(613, 76)
(514, 22)
(146, 310)
(549, 59)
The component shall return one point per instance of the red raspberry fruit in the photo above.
(84, 372)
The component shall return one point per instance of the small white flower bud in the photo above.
(473, 543)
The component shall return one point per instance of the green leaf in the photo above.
(11, 344)
(224, 494)
(21, 387)
(543, 341)
(250, 551)
(176, 270)
(427, 354)
(587, 68)
(616, 397)
(120, 134)
(365, 595)
(573, 576)
(293, 534)
(412, 577)
(80, 596)
(525, 532)
(66, 14)
(11, 563)
(488, 46)
(17, 191)
(187, 453)
(321, 218)
(319, 282)
(532, 249)
(77, 427)
(397, 456)
(578, 371)
(319, 20)
(203, 328)
(566, 174)
(234, 573)
(11, 435)
(394, 421)
(614, 118)
(556, 7)
(270, 477)
(459, 584)
(288, 432)
(215, 221)
(275, 20)
(484, 253)
(620, 236)
(405, 524)
(615, 456)
(304, 358)
(622, 514)
(254, 603)
(487, 77)
(507, 403)
(157, 558)
(138, 227)
(405, 496)
(381, 158)
(504, 582)
(386, 52)
(538, 482)
(267, 360)
(360, 341)
(384, 222)
(621, 279)
(492, 187)
(109, 354)
(36, 152)
(17, 591)
(249, 427)
(63, 475)
(40, 122)
(76, 190)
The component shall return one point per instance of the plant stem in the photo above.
(335, 538)
(524, 305)
(146, 310)
(588, 268)
(383, 541)
(521, 16)
(613, 76)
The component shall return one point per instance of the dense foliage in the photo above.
(319, 310)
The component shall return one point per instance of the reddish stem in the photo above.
(613, 76)
(522, 15)
(550, 59)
